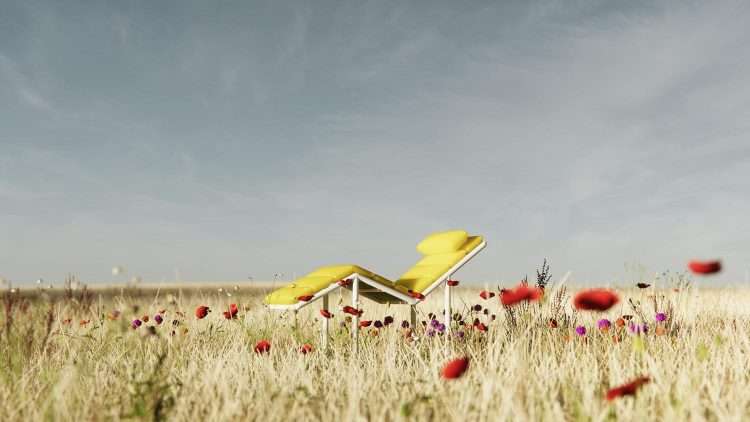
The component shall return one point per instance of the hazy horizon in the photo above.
(221, 141)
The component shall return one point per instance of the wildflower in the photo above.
(136, 323)
(628, 389)
(158, 319)
(305, 298)
(492, 317)
(595, 300)
(638, 329)
(481, 327)
(661, 317)
(84, 322)
(202, 311)
(455, 368)
(510, 297)
(388, 320)
(306, 348)
(365, 323)
(262, 346)
(452, 283)
(434, 323)
(581, 330)
(377, 324)
(145, 318)
(404, 324)
(232, 312)
(440, 328)
(486, 311)
(477, 308)
(416, 295)
(704, 267)
(604, 324)
(552, 323)
(326, 314)
(430, 332)
(459, 334)
(352, 311)
(484, 294)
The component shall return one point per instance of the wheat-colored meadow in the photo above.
(57, 366)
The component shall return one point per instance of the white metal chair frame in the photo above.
(355, 280)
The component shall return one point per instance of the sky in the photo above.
(225, 140)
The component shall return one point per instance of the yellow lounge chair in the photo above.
(443, 254)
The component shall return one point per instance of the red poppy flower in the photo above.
(365, 323)
(484, 294)
(262, 346)
(306, 348)
(326, 313)
(595, 299)
(452, 283)
(704, 267)
(510, 297)
(455, 368)
(202, 311)
(416, 295)
(352, 311)
(232, 312)
(481, 327)
(305, 298)
(628, 389)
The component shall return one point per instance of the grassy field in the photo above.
(74, 355)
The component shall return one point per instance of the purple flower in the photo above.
(459, 334)
(158, 318)
(388, 320)
(604, 324)
(434, 323)
(430, 332)
(440, 328)
(378, 324)
(136, 323)
(581, 330)
(477, 308)
(638, 329)
(661, 317)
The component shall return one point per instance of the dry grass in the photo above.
(207, 370)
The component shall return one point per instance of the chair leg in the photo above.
(413, 315)
(324, 321)
(447, 311)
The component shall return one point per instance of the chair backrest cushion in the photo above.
(442, 242)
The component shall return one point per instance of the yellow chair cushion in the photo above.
(443, 242)
(425, 272)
